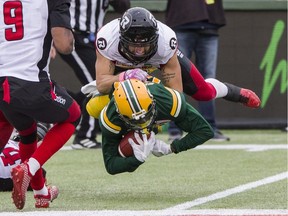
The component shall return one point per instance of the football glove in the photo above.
(144, 147)
(90, 89)
(160, 148)
(136, 73)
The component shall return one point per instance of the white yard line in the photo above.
(243, 147)
(181, 209)
(229, 192)
(203, 212)
(231, 147)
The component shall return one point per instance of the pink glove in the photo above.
(136, 73)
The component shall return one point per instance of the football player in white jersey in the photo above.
(138, 40)
(27, 93)
(10, 157)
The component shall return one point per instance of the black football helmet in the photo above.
(138, 28)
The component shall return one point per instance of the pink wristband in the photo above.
(122, 76)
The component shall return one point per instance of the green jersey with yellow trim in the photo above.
(170, 106)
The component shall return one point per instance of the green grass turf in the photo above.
(164, 182)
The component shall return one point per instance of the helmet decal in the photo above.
(131, 97)
(153, 20)
(173, 43)
(101, 43)
(125, 22)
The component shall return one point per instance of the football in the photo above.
(124, 148)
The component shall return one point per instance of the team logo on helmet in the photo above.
(101, 43)
(153, 20)
(173, 43)
(125, 22)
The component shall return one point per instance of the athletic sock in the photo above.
(56, 137)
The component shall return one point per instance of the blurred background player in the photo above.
(10, 157)
(87, 17)
(196, 25)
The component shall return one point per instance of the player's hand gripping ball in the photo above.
(124, 148)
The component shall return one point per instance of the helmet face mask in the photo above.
(138, 31)
(134, 104)
(143, 121)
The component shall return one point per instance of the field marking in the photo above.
(250, 148)
(229, 192)
(203, 212)
(246, 147)
(179, 210)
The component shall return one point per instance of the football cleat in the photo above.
(249, 98)
(85, 143)
(43, 201)
(21, 180)
(219, 137)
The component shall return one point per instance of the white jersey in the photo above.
(107, 44)
(9, 158)
(25, 37)
(21, 48)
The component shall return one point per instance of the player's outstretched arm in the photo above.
(105, 74)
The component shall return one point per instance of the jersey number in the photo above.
(10, 157)
(13, 17)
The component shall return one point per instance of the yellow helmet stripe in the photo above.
(107, 123)
(177, 102)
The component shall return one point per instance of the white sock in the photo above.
(43, 191)
(221, 88)
(33, 166)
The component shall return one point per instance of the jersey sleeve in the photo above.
(108, 38)
(167, 42)
(172, 105)
(112, 130)
(59, 13)
(197, 128)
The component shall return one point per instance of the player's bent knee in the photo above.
(75, 113)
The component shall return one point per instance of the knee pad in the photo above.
(96, 104)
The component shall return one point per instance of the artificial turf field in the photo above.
(244, 176)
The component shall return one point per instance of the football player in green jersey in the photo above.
(142, 107)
